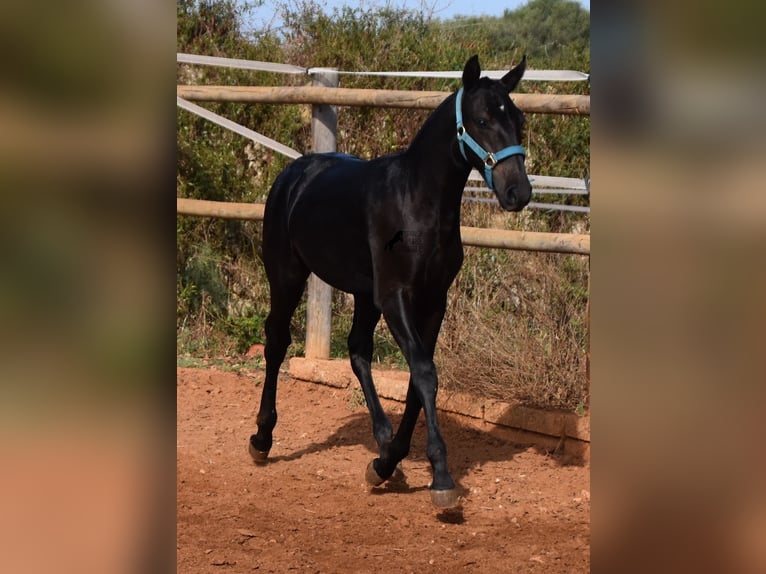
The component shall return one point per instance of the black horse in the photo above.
(388, 231)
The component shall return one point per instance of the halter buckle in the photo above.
(490, 160)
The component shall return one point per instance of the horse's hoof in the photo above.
(444, 498)
(259, 456)
(372, 476)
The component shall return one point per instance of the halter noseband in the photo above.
(489, 159)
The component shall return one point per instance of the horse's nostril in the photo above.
(521, 193)
(517, 197)
(512, 192)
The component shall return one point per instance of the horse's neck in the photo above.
(434, 152)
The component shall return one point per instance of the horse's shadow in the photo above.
(354, 431)
(469, 448)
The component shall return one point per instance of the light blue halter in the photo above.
(489, 159)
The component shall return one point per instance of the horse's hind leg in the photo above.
(287, 281)
(360, 346)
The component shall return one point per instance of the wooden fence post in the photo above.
(324, 124)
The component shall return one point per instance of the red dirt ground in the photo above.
(310, 510)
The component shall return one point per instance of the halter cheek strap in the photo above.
(489, 159)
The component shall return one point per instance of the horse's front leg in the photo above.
(424, 384)
(380, 469)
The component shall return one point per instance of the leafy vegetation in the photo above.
(516, 323)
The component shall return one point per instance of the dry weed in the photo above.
(516, 329)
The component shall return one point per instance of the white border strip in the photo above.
(235, 127)
(533, 205)
(531, 75)
(535, 190)
(239, 64)
(543, 181)
(562, 182)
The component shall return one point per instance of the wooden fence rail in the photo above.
(475, 236)
(529, 103)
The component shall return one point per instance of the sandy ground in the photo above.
(310, 510)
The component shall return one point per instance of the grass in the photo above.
(517, 334)
(515, 328)
(356, 399)
(227, 364)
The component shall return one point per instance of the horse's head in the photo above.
(489, 133)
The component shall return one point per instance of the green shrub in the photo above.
(247, 330)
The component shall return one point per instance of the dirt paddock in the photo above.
(310, 510)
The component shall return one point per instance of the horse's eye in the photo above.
(483, 123)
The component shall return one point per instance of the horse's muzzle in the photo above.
(515, 197)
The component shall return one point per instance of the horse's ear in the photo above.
(512, 78)
(471, 72)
